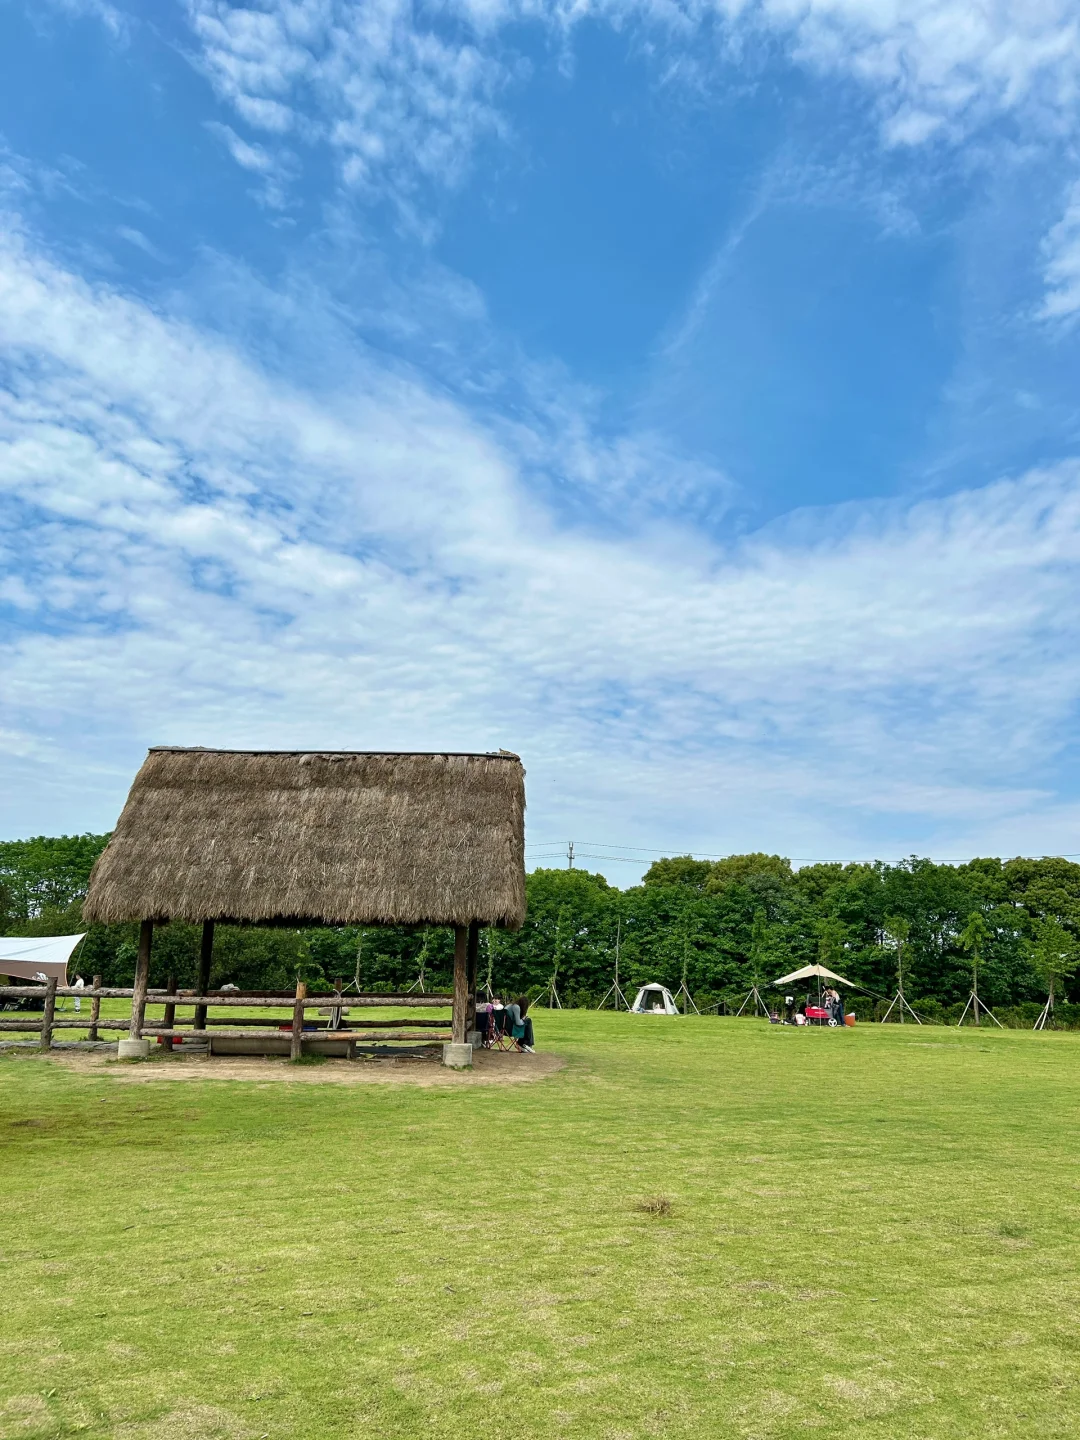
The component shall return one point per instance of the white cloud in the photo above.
(940, 63)
(217, 557)
(112, 18)
(139, 240)
(1061, 250)
(273, 169)
(402, 93)
(396, 98)
(252, 157)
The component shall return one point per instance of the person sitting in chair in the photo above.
(519, 1023)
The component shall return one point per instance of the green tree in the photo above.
(679, 870)
(1054, 955)
(830, 942)
(897, 929)
(46, 874)
(975, 937)
(759, 943)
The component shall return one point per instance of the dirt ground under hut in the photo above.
(489, 1068)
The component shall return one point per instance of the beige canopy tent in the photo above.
(811, 970)
(38, 958)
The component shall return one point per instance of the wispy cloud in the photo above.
(140, 241)
(397, 96)
(113, 18)
(1061, 250)
(402, 94)
(251, 156)
(217, 556)
(939, 65)
(273, 169)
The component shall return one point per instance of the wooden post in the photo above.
(95, 1010)
(296, 1046)
(202, 982)
(461, 982)
(170, 1012)
(471, 955)
(142, 980)
(50, 1012)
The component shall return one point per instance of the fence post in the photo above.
(170, 1012)
(95, 1010)
(50, 1011)
(202, 982)
(296, 1045)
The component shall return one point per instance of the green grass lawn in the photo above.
(871, 1233)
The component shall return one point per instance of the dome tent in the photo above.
(654, 1000)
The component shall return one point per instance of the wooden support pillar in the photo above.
(170, 1012)
(202, 980)
(95, 1010)
(142, 980)
(472, 952)
(296, 1045)
(461, 983)
(50, 1013)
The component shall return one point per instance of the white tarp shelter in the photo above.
(38, 958)
(654, 1000)
(810, 970)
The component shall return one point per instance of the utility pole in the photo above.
(570, 855)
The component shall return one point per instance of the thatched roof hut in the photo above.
(317, 837)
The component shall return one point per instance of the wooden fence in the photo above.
(203, 1027)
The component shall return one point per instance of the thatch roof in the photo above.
(319, 837)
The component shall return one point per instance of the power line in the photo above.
(572, 851)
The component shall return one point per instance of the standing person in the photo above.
(484, 1021)
(836, 1005)
(80, 984)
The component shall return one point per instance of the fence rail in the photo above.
(334, 999)
(170, 1028)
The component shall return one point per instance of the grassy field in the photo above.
(871, 1233)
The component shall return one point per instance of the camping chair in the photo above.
(499, 1036)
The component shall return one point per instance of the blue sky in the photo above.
(682, 394)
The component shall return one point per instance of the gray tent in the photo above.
(654, 1000)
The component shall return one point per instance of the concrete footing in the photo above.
(132, 1049)
(458, 1057)
(475, 1039)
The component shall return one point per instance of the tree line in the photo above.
(717, 925)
